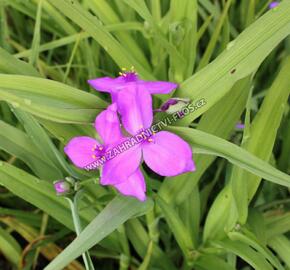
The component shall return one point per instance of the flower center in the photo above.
(150, 140)
(98, 151)
(130, 76)
(147, 135)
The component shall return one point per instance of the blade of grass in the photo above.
(108, 16)
(92, 25)
(36, 36)
(220, 121)
(140, 240)
(242, 57)
(114, 214)
(18, 144)
(206, 143)
(49, 251)
(261, 139)
(281, 245)
(255, 259)
(178, 229)
(9, 247)
(59, 102)
(214, 38)
(42, 195)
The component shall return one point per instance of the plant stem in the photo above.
(78, 228)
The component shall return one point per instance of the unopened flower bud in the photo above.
(62, 187)
(174, 105)
(240, 125)
(273, 4)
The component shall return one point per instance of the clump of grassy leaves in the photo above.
(232, 213)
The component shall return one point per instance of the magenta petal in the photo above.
(168, 154)
(135, 107)
(119, 168)
(134, 186)
(80, 150)
(159, 87)
(107, 125)
(107, 84)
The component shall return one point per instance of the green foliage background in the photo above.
(232, 213)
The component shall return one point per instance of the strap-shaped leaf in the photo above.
(255, 259)
(88, 22)
(118, 211)
(205, 143)
(242, 57)
(50, 99)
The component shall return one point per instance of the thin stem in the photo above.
(41, 234)
(273, 204)
(71, 59)
(125, 256)
(78, 228)
(147, 258)
(93, 180)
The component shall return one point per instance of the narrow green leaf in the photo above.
(209, 144)
(40, 138)
(140, 240)
(64, 132)
(180, 232)
(277, 225)
(281, 245)
(284, 161)
(220, 121)
(210, 262)
(74, 11)
(112, 216)
(142, 10)
(190, 213)
(9, 247)
(109, 17)
(18, 144)
(37, 192)
(49, 99)
(242, 57)
(11, 65)
(42, 194)
(261, 139)
(36, 36)
(214, 38)
(255, 259)
(218, 216)
(249, 239)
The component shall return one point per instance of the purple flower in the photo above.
(62, 187)
(240, 125)
(273, 4)
(174, 105)
(164, 152)
(129, 79)
(121, 171)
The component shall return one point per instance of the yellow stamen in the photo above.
(94, 147)
(94, 156)
(150, 140)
